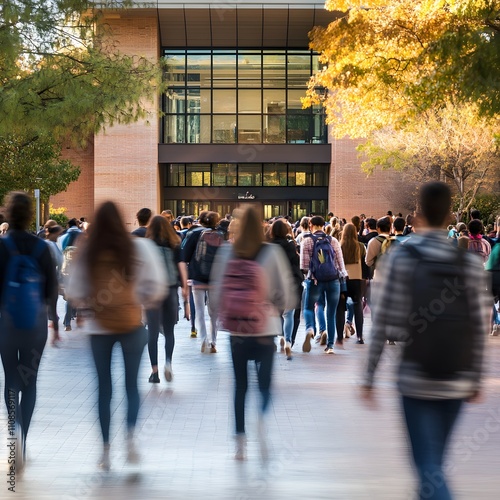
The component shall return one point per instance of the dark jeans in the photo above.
(21, 352)
(353, 291)
(296, 315)
(244, 349)
(192, 309)
(132, 346)
(430, 423)
(168, 315)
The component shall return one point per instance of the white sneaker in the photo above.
(241, 447)
(261, 434)
(167, 371)
(104, 462)
(133, 456)
(495, 331)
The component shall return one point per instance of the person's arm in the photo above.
(183, 275)
(372, 251)
(217, 273)
(48, 268)
(339, 258)
(151, 274)
(279, 270)
(188, 245)
(306, 247)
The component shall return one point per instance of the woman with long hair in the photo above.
(113, 275)
(22, 345)
(167, 314)
(353, 252)
(249, 344)
(280, 235)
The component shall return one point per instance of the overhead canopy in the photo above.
(240, 24)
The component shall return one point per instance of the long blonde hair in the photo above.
(350, 245)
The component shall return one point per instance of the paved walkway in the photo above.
(325, 443)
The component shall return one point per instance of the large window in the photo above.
(246, 174)
(243, 96)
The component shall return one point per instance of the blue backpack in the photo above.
(22, 293)
(322, 265)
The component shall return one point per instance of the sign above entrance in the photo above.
(246, 196)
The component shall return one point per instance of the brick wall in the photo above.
(79, 197)
(120, 164)
(352, 191)
(126, 157)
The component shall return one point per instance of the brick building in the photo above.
(233, 128)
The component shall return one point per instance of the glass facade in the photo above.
(246, 174)
(240, 96)
(296, 209)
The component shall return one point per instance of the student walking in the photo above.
(167, 314)
(24, 328)
(114, 274)
(434, 295)
(251, 284)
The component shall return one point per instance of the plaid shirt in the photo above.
(391, 308)
(306, 250)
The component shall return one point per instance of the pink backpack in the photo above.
(244, 306)
(480, 247)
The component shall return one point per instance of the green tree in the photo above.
(450, 144)
(386, 61)
(29, 164)
(61, 71)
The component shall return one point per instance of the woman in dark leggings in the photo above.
(162, 233)
(113, 275)
(353, 252)
(248, 344)
(21, 348)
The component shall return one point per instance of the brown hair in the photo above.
(210, 219)
(19, 210)
(250, 235)
(279, 229)
(162, 233)
(108, 235)
(349, 244)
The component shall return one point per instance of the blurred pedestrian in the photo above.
(22, 345)
(433, 295)
(113, 275)
(251, 284)
(167, 314)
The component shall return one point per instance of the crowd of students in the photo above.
(126, 288)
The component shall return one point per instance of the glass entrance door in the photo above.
(299, 210)
(195, 207)
(273, 210)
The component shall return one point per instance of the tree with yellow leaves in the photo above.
(449, 144)
(386, 61)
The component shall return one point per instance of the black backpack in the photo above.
(441, 333)
(206, 248)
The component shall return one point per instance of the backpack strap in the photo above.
(13, 250)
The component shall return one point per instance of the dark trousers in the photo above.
(70, 314)
(430, 423)
(245, 349)
(21, 352)
(167, 315)
(132, 346)
(354, 291)
(296, 315)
